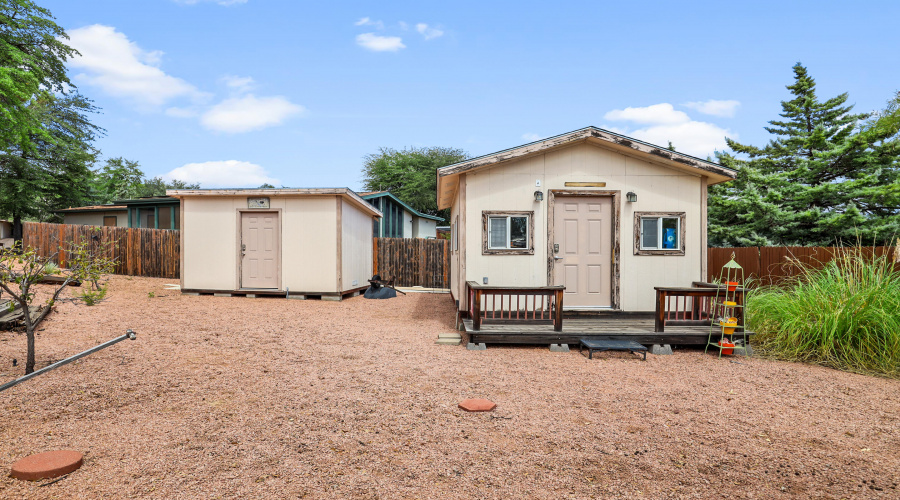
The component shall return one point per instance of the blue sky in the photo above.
(233, 93)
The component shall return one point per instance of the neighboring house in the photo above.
(291, 242)
(608, 216)
(6, 230)
(156, 212)
(400, 220)
(443, 232)
(112, 214)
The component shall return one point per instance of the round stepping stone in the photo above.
(477, 404)
(47, 465)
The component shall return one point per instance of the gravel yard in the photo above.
(274, 398)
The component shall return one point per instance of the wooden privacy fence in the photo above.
(413, 261)
(772, 265)
(154, 253)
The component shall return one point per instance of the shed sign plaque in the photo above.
(258, 202)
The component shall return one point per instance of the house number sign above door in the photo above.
(257, 202)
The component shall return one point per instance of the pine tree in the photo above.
(828, 176)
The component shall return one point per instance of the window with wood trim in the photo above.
(659, 233)
(110, 220)
(509, 233)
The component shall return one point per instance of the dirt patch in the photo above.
(238, 397)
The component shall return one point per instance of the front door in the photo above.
(583, 231)
(260, 250)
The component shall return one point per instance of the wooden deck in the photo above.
(639, 328)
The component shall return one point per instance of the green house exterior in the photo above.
(155, 212)
(400, 220)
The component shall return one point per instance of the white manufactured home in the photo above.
(606, 216)
(291, 242)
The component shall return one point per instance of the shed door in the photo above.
(582, 228)
(260, 250)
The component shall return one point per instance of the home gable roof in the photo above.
(345, 193)
(379, 194)
(93, 208)
(448, 177)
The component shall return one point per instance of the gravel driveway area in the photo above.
(229, 397)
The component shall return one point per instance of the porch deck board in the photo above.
(638, 329)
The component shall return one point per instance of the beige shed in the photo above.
(291, 242)
(607, 216)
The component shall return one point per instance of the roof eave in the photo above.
(343, 192)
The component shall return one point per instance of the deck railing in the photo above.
(694, 306)
(501, 304)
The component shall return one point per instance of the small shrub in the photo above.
(92, 297)
(845, 315)
(150, 295)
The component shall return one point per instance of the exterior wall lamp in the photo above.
(538, 195)
(631, 196)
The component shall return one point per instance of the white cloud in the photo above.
(403, 25)
(657, 113)
(248, 112)
(665, 124)
(428, 32)
(378, 43)
(239, 83)
(716, 108)
(110, 61)
(218, 174)
(177, 112)
(220, 2)
(531, 137)
(369, 22)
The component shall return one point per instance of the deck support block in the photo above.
(476, 347)
(559, 347)
(193, 294)
(333, 298)
(297, 297)
(251, 295)
(221, 295)
(746, 351)
(661, 349)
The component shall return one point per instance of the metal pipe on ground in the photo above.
(129, 334)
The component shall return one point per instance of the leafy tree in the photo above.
(157, 186)
(119, 179)
(266, 185)
(122, 179)
(410, 175)
(32, 66)
(52, 169)
(828, 175)
(22, 272)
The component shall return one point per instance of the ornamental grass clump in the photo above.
(845, 315)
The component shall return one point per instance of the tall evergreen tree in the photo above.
(52, 168)
(827, 176)
(32, 63)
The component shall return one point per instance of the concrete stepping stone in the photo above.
(449, 339)
(47, 465)
(477, 404)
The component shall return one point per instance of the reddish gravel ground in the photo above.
(273, 398)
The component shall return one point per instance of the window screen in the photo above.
(649, 233)
(497, 232)
(165, 217)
